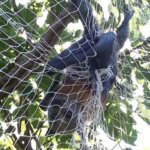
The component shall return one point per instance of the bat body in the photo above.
(64, 101)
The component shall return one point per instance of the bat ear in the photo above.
(49, 132)
(50, 94)
(46, 101)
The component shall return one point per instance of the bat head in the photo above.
(62, 115)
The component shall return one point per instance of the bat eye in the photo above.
(53, 116)
(69, 114)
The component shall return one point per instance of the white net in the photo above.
(59, 83)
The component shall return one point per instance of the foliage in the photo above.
(20, 115)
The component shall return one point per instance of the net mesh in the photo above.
(74, 116)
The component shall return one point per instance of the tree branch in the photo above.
(29, 62)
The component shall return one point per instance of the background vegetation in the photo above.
(31, 33)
